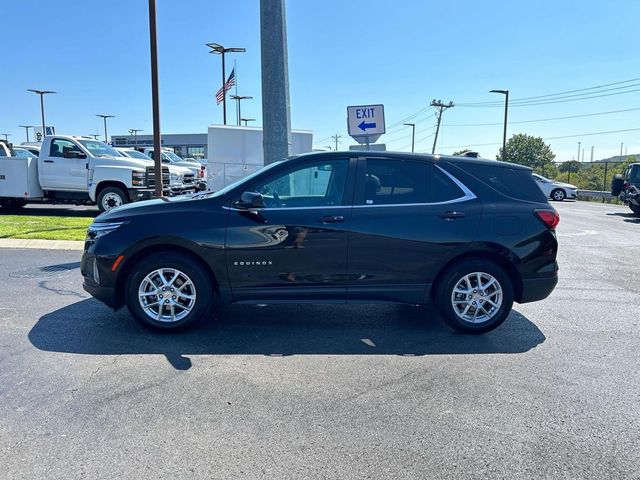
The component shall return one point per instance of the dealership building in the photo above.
(186, 145)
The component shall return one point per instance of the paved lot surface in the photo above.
(328, 392)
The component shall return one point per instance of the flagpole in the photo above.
(224, 94)
(235, 69)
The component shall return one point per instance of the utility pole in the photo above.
(413, 135)
(440, 107)
(621, 144)
(336, 137)
(578, 157)
(591, 153)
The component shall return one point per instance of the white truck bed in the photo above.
(19, 178)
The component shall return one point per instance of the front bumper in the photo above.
(99, 280)
(572, 194)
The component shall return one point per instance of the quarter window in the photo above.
(443, 188)
(312, 185)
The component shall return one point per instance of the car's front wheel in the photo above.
(169, 291)
(558, 195)
(474, 296)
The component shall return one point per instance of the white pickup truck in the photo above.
(78, 170)
(169, 157)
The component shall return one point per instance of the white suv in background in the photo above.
(556, 190)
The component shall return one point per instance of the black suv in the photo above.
(340, 227)
(627, 187)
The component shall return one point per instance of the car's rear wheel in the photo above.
(169, 291)
(474, 296)
(635, 209)
(558, 194)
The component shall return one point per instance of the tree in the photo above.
(529, 151)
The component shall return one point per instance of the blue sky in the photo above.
(402, 54)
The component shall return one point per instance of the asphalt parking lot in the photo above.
(329, 391)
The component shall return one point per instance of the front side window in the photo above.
(59, 147)
(311, 185)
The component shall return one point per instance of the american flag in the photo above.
(231, 81)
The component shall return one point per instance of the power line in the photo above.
(555, 94)
(547, 138)
(555, 101)
(540, 119)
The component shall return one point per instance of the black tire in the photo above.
(111, 197)
(635, 209)
(616, 184)
(443, 295)
(203, 302)
(12, 204)
(558, 194)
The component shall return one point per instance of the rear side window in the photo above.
(512, 182)
(393, 182)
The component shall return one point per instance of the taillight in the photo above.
(201, 172)
(625, 185)
(550, 218)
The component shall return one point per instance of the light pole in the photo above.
(579, 144)
(6, 136)
(26, 129)
(413, 135)
(246, 120)
(134, 132)
(238, 99)
(42, 93)
(218, 49)
(506, 112)
(104, 117)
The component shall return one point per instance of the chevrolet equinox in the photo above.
(470, 235)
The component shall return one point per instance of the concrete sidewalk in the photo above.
(41, 244)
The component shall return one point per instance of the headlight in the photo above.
(176, 179)
(137, 178)
(97, 230)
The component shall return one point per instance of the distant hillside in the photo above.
(618, 158)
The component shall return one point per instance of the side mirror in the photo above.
(73, 154)
(250, 200)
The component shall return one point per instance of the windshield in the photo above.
(540, 177)
(137, 154)
(172, 157)
(231, 186)
(100, 149)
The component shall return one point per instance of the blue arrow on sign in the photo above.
(363, 126)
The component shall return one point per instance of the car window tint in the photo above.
(443, 188)
(310, 185)
(59, 147)
(396, 182)
(513, 182)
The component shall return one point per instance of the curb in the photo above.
(24, 243)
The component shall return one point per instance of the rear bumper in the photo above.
(534, 289)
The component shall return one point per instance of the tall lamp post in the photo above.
(134, 132)
(218, 49)
(247, 120)
(238, 99)
(42, 93)
(104, 117)
(413, 135)
(506, 112)
(26, 129)
(6, 136)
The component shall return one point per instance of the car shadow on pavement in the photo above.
(87, 327)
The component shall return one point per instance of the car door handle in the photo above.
(451, 215)
(48, 161)
(332, 219)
